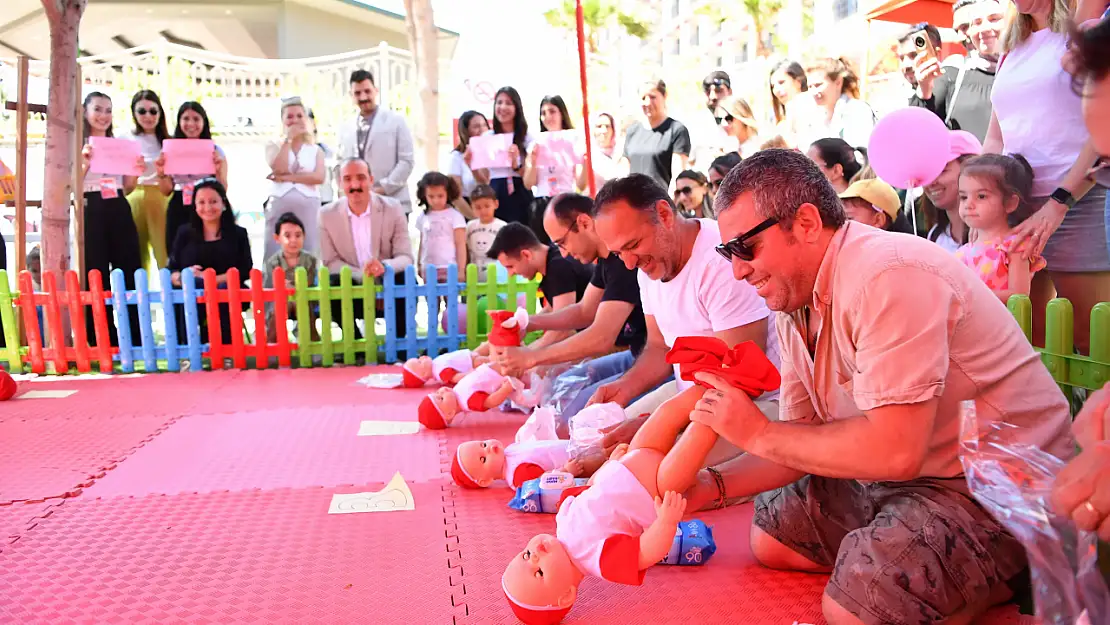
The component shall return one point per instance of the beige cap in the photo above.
(880, 194)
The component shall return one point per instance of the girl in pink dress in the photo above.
(992, 188)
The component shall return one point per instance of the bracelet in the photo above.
(721, 497)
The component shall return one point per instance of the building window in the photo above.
(844, 8)
(695, 35)
(675, 8)
(676, 46)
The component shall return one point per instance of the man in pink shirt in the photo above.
(882, 335)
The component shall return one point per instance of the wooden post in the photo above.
(21, 112)
(79, 182)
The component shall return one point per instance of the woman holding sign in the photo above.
(548, 174)
(192, 123)
(148, 202)
(297, 171)
(110, 171)
(514, 198)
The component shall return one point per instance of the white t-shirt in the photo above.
(945, 240)
(151, 149)
(1040, 116)
(543, 456)
(705, 298)
(437, 228)
(601, 527)
(479, 238)
(456, 166)
(508, 172)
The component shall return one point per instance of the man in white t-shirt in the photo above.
(686, 288)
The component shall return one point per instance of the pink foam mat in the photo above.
(287, 388)
(288, 448)
(731, 588)
(154, 394)
(18, 518)
(259, 556)
(58, 456)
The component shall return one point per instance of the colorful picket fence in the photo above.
(56, 337)
(1067, 367)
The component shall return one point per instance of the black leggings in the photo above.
(177, 215)
(516, 206)
(111, 242)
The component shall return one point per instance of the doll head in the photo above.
(506, 327)
(416, 372)
(541, 582)
(438, 409)
(477, 464)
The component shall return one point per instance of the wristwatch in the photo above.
(1063, 196)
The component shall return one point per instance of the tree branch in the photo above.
(52, 8)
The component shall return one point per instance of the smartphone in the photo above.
(925, 48)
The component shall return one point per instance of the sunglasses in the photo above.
(727, 119)
(715, 184)
(144, 111)
(739, 246)
(684, 191)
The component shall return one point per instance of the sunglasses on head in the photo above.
(739, 246)
(147, 111)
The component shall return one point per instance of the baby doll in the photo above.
(450, 368)
(480, 390)
(625, 521)
(477, 464)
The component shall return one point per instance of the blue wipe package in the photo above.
(530, 497)
(693, 544)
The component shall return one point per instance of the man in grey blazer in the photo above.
(366, 232)
(381, 138)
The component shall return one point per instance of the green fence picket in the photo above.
(304, 317)
(347, 311)
(326, 348)
(472, 340)
(10, 351)
(1021, 307)
(369, 316)
(1097, 371)
(1059, 339)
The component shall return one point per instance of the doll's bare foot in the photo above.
(619, 451)
(590, 461)
(574, 467)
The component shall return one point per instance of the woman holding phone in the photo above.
(192, 123)
(296, 169)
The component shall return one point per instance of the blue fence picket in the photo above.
(431, 299)
(123, 321)
(189, 297)
(411, 347)
(454, 339)
(168, 297)
(389, 294)
(146, 327)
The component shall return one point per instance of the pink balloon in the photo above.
(909, 147)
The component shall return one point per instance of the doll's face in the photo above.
(420, 367)
(483, 460)
(444, 399)
(543, 574)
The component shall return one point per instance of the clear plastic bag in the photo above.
(1013, 482)
(586, 426)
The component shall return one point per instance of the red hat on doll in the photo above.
(8, 387)
(428, 414)
(534, 615)
(500, 336)
(410, 379)
(459, 474)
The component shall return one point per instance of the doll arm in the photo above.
(499, 396)
(656, 541)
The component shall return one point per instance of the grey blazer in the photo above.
(388, 150)
(388, 229)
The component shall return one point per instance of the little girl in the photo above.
(442, 228)
(992, 187)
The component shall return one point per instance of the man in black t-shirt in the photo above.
(609, 315)
(564, 280)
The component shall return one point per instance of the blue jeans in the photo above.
(597, 372)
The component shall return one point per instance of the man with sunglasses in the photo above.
(709, 139)
(883, 336)
(609, 314)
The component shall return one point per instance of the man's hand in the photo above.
(926, 70)
(620, 433)
(613, 392)
(670, 508)
(1082, 490)
(728, 411)
(703, 493)
(1093, 422)
(512, 360)
(374, 268)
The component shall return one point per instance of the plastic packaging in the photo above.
(693, 544)
(586, 426)
(543, 493)
(1013, 482)
(381, 380)
(540, 426)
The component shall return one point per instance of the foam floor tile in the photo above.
(58, 456)
(289, 448)
(260, 557)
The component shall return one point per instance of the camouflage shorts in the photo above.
(902, 553)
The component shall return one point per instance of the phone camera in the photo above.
(919, 41)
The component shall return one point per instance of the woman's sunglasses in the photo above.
(739, 246)
(684, 191)
(144, 111)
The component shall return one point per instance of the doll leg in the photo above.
(679, 468)
(667, 422)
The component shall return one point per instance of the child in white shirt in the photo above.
(481, 232)
(442, 228)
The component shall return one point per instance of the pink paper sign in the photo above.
(189, 157)
(558, 149)
(490, 151)
(115, 156)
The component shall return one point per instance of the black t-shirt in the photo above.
(619, 284)
(564, 275)
(649, 151)
(971, 110)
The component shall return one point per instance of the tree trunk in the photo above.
(424, 44)
(64, 17)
